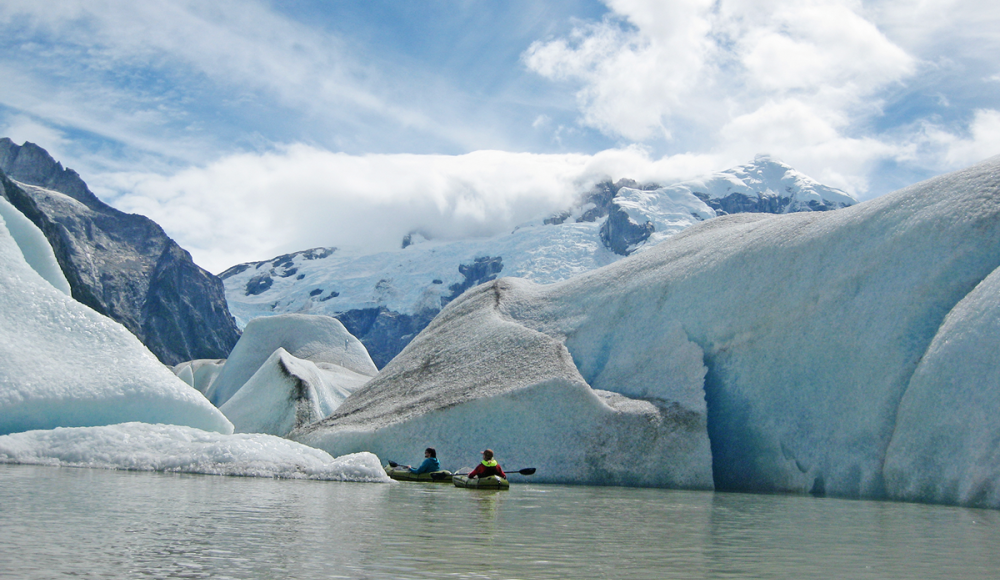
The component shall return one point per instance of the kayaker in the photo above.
(430, 464)
(488, 467)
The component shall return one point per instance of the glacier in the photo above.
(386, 298)
(835, 353)
(62, 364)
(177, 449)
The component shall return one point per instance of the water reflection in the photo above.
(94, 523)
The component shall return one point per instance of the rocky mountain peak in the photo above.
(33, 165)
(121, 265)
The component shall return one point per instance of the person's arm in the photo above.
(423, 468)
(500, 469)
(476, 472)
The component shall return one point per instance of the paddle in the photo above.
(525, 471)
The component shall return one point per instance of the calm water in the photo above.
(61, 522)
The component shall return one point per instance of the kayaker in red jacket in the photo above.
(488, 467)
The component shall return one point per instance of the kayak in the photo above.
(489, 482)
(403, 474)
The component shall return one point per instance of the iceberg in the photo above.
(34, 246)
(319, 339)
(817, 333)
(170, 448)
(476, 379)
(64, 365)
(288, 392)
(946, 444)
(200, 373)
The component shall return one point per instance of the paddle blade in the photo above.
(527, 471)
(393, 464)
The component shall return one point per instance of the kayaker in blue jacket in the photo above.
(430, 463)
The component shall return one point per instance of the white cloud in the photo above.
(20, 128)
(255, 206)
(661, 63)
(162, 77)
(633, 78)
(802, 79)
(980, 142)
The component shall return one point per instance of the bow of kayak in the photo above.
(490, 482)
(403, 474)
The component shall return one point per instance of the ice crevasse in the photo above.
(813, 352)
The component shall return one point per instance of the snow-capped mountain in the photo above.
(386, 298)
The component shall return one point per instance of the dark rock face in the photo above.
(383, 332)
(121, 265)
(482, 270)
(619, 233)
(604, 192)
(33, 165)
(739, 203)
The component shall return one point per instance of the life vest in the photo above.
(489, 468)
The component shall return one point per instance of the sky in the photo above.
(250, 129)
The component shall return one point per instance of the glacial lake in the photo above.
(91, 523)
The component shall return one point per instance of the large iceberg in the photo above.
(62, 364)
(821, 336)
(946, 445)
(170, 448)
(288, 392)
(319, 339)
(475, 379)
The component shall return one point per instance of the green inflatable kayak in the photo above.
(490, 482)
(403, 474)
